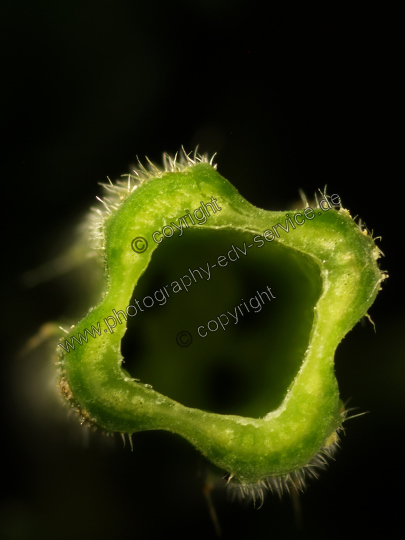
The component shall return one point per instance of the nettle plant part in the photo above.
(288, 443)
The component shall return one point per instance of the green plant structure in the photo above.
(153, 210)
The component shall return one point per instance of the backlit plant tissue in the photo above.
(143, 212)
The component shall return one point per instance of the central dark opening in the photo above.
(245, 366)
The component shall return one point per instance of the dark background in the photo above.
(289, 98)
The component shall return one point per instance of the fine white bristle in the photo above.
(121, 189)
(294, 480)
(282, 484)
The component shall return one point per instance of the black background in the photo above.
(289, 98)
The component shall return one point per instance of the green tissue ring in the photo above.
(287, 439)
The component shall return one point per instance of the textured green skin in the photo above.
(251, 449)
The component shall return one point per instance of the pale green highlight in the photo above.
(250, 449)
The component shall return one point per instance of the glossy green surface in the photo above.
(283, 440)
